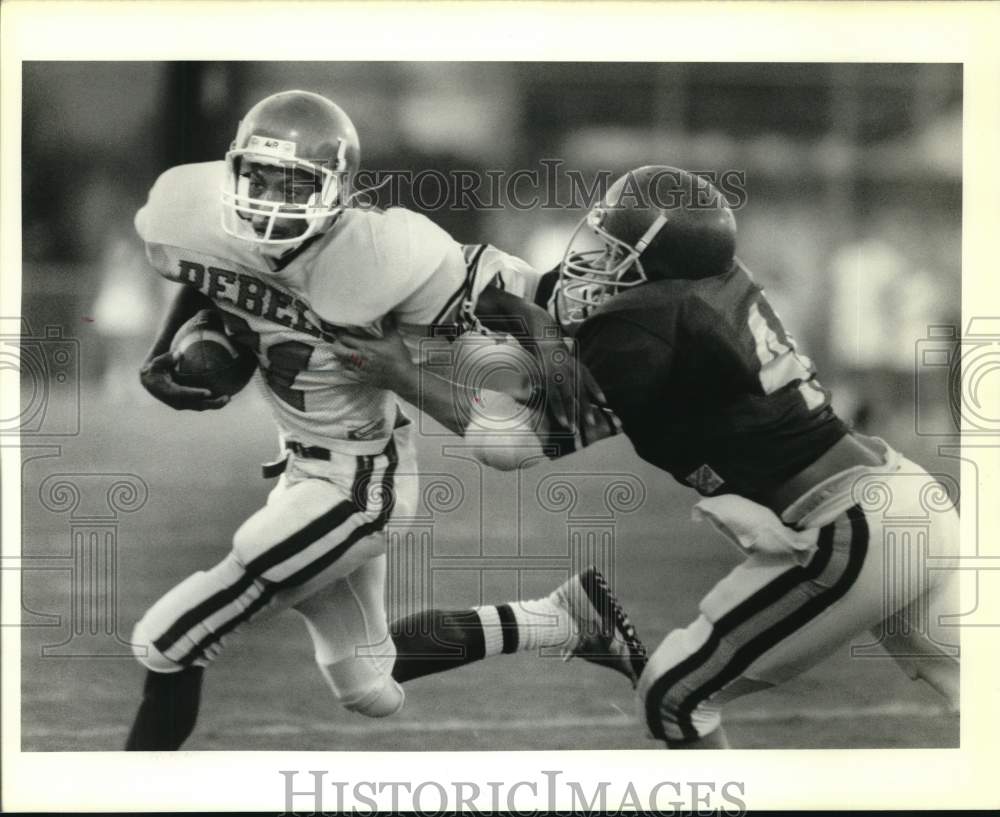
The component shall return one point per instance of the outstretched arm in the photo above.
(386, 364)
(497, 410)
(478, 286)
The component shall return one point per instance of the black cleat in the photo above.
(604, 634)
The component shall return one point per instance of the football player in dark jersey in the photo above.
(711, 388)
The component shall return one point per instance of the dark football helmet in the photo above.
(655, 222)
(306, 134)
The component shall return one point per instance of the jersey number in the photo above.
(284, 360)
(780, 361)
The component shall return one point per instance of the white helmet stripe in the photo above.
(650, 234)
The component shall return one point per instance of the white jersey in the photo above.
(368, 265)
(503, 270)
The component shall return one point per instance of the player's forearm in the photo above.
(185, 304)
(505, 313)
(491, 422)
(435, 396)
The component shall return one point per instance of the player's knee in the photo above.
(672, 716)
(385, 698)
(669, 710)
(247, 542)
(171, 608)
(668, 703)
(146, 652)
(364, 686)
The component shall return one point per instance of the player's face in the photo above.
(290, 187)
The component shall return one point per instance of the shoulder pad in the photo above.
(374, 262)
(425, 242)
(184, 207)
(655, 296)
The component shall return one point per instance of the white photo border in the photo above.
(785, 32)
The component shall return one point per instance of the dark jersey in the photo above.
(708, 384)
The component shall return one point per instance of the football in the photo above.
(207, 358)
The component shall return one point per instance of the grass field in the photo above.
(202, 473)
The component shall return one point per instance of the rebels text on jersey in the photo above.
(708, 384)
(368, 265)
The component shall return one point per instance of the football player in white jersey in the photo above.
(268, 237)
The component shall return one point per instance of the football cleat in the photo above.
(603, 633)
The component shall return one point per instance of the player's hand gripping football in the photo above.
(156, 376)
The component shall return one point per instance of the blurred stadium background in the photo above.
(852, 221)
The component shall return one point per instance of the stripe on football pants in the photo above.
(318, 528)
(280, 562)
(760, 622)
(323, 524)
(387, 490)
(225, 610)
(208, 644)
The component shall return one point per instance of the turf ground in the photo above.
(202, 473)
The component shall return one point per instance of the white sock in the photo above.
(492, 632)
(540, 623)
(524, 625)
